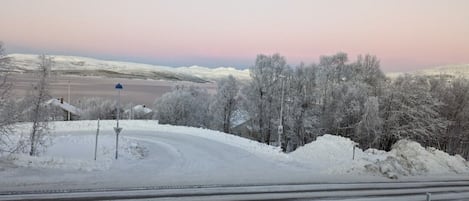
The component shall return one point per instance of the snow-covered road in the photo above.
(161, 161)
(176, 156)
(157, 156)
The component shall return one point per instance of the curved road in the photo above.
(187, 167)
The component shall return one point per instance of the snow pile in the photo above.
(409, 158)
(327, 151)
(333, 155)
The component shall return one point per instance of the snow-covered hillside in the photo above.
(458, 70)
(73, 65)
(152, 154)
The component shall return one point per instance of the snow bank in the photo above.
(409, 158)
(327, 151)
(333, 155)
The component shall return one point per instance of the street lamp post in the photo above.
(118, 129)
(280, 127)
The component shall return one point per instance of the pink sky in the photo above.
(404, 34)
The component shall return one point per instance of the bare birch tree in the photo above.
(263, 94)
(7, 111)
(225, 102)
(39, 112)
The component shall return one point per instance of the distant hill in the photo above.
(459, 70)
(83, 66)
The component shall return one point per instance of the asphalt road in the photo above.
(135, 91)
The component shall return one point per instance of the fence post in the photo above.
(96, 142)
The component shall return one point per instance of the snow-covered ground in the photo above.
(162, 155)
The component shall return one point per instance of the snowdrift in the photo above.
(326, 152)
(409, 158)
(333, 155)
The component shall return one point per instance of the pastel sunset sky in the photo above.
(405, 34)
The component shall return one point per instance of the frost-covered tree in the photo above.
(263, 94)
(95, 107)
(343, 90)
(301, 114)
(454, 96)
(3, 58)
(38, 114)
(8, 111)
(354, 99)
(188, 106)
(408, 110)
(225, 103)
(367, 70)
(346, 108)
(370, 124)
(332, 71)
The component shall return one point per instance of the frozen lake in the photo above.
(135, 91)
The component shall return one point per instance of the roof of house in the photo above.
(140, 109)
(65, 106)
(239, 117)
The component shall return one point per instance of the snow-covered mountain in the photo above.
(73, 65)
(457, 70)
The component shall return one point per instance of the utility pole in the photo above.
(69, 101)
(118, 129)
(96, 142)
(280, 127)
